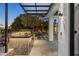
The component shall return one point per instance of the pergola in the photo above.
(40, 9)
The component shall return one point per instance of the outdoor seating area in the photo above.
(39, 29)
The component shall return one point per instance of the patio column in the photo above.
(51, 28)
(6, 27)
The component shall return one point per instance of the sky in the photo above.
(14, 10)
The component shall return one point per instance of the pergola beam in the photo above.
(22, 7)
(37, 13)
(41, 14)
(36, 5)
(35, 10)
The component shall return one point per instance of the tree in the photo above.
(23, 21)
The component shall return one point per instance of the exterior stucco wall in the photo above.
(63, 40)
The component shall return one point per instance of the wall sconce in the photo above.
(60, 14)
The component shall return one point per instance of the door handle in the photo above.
(75, 32)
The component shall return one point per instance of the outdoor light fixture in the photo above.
(60, 14)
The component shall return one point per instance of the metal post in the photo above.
(71, 29)
(6, 26)
(26, 19)
(36, 22)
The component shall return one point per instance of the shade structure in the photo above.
(41, 9)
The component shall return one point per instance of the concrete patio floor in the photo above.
(44, 48)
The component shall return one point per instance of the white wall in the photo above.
(63, 40)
